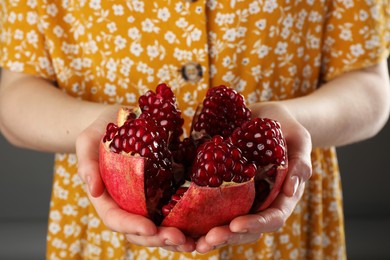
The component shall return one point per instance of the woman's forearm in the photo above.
(36, 115)
(347, 109)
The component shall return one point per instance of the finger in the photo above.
(87, 151)
(239, 239)
(270, 219)
(171, 248)
(218, 236)
(221, 236)
(299, 158)
(166, 236)
(188, 246)
(88, 160)
(202, 246)
(119, 220)
(299, 171)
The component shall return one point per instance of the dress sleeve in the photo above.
(357, 35)
(23, 47)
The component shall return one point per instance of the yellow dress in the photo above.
(112, 51)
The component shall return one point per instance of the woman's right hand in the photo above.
(138, 230)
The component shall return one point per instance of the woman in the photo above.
(318, 67)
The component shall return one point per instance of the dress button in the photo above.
(192, 72)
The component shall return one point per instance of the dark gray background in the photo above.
(25, 187)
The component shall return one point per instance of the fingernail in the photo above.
(296, 184)
(170, 243)
(242, 231)
(89, 178)
(220, 245)
(188, 248)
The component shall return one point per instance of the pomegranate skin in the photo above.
(202, 208)
(123, 177)
(275, 190)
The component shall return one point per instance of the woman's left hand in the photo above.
(249, 228)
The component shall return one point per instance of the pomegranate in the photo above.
(231, 165)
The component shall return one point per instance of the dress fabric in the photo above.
(115, 50)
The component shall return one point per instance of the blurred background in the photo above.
(25, 187)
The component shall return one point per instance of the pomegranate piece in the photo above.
(219, 161)
(262, 143)
(223, 110)
(143, 143)
(231, 165)
(124, 177)
(202, 208)
(161, 106)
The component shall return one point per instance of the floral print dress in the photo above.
(111, 51)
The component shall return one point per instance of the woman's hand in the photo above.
(249, 228)
(137, 229)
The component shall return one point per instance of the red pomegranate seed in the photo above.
(250, 171)
(166, 209)
(215, 181)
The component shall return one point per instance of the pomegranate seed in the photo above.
(215, 181)
(122, 130)
(181, 190)
(236, 154)
(125, 146)
(220, 156)
(147, 138)
(138, 146)
(227, 176)
(166, 209)
(111, 127)
(210, 168)
(238, 168)
(175, 198)
(114, 149)
(140, 132)
(250, 171)
(208, 156)
(279, 151)
(117, 142)
(200, 174)
(237, 178)
(221, 167)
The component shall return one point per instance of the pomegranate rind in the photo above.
(123, 177)
(195, 134)
(202, 208)
(275, 190)
(124, 112)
